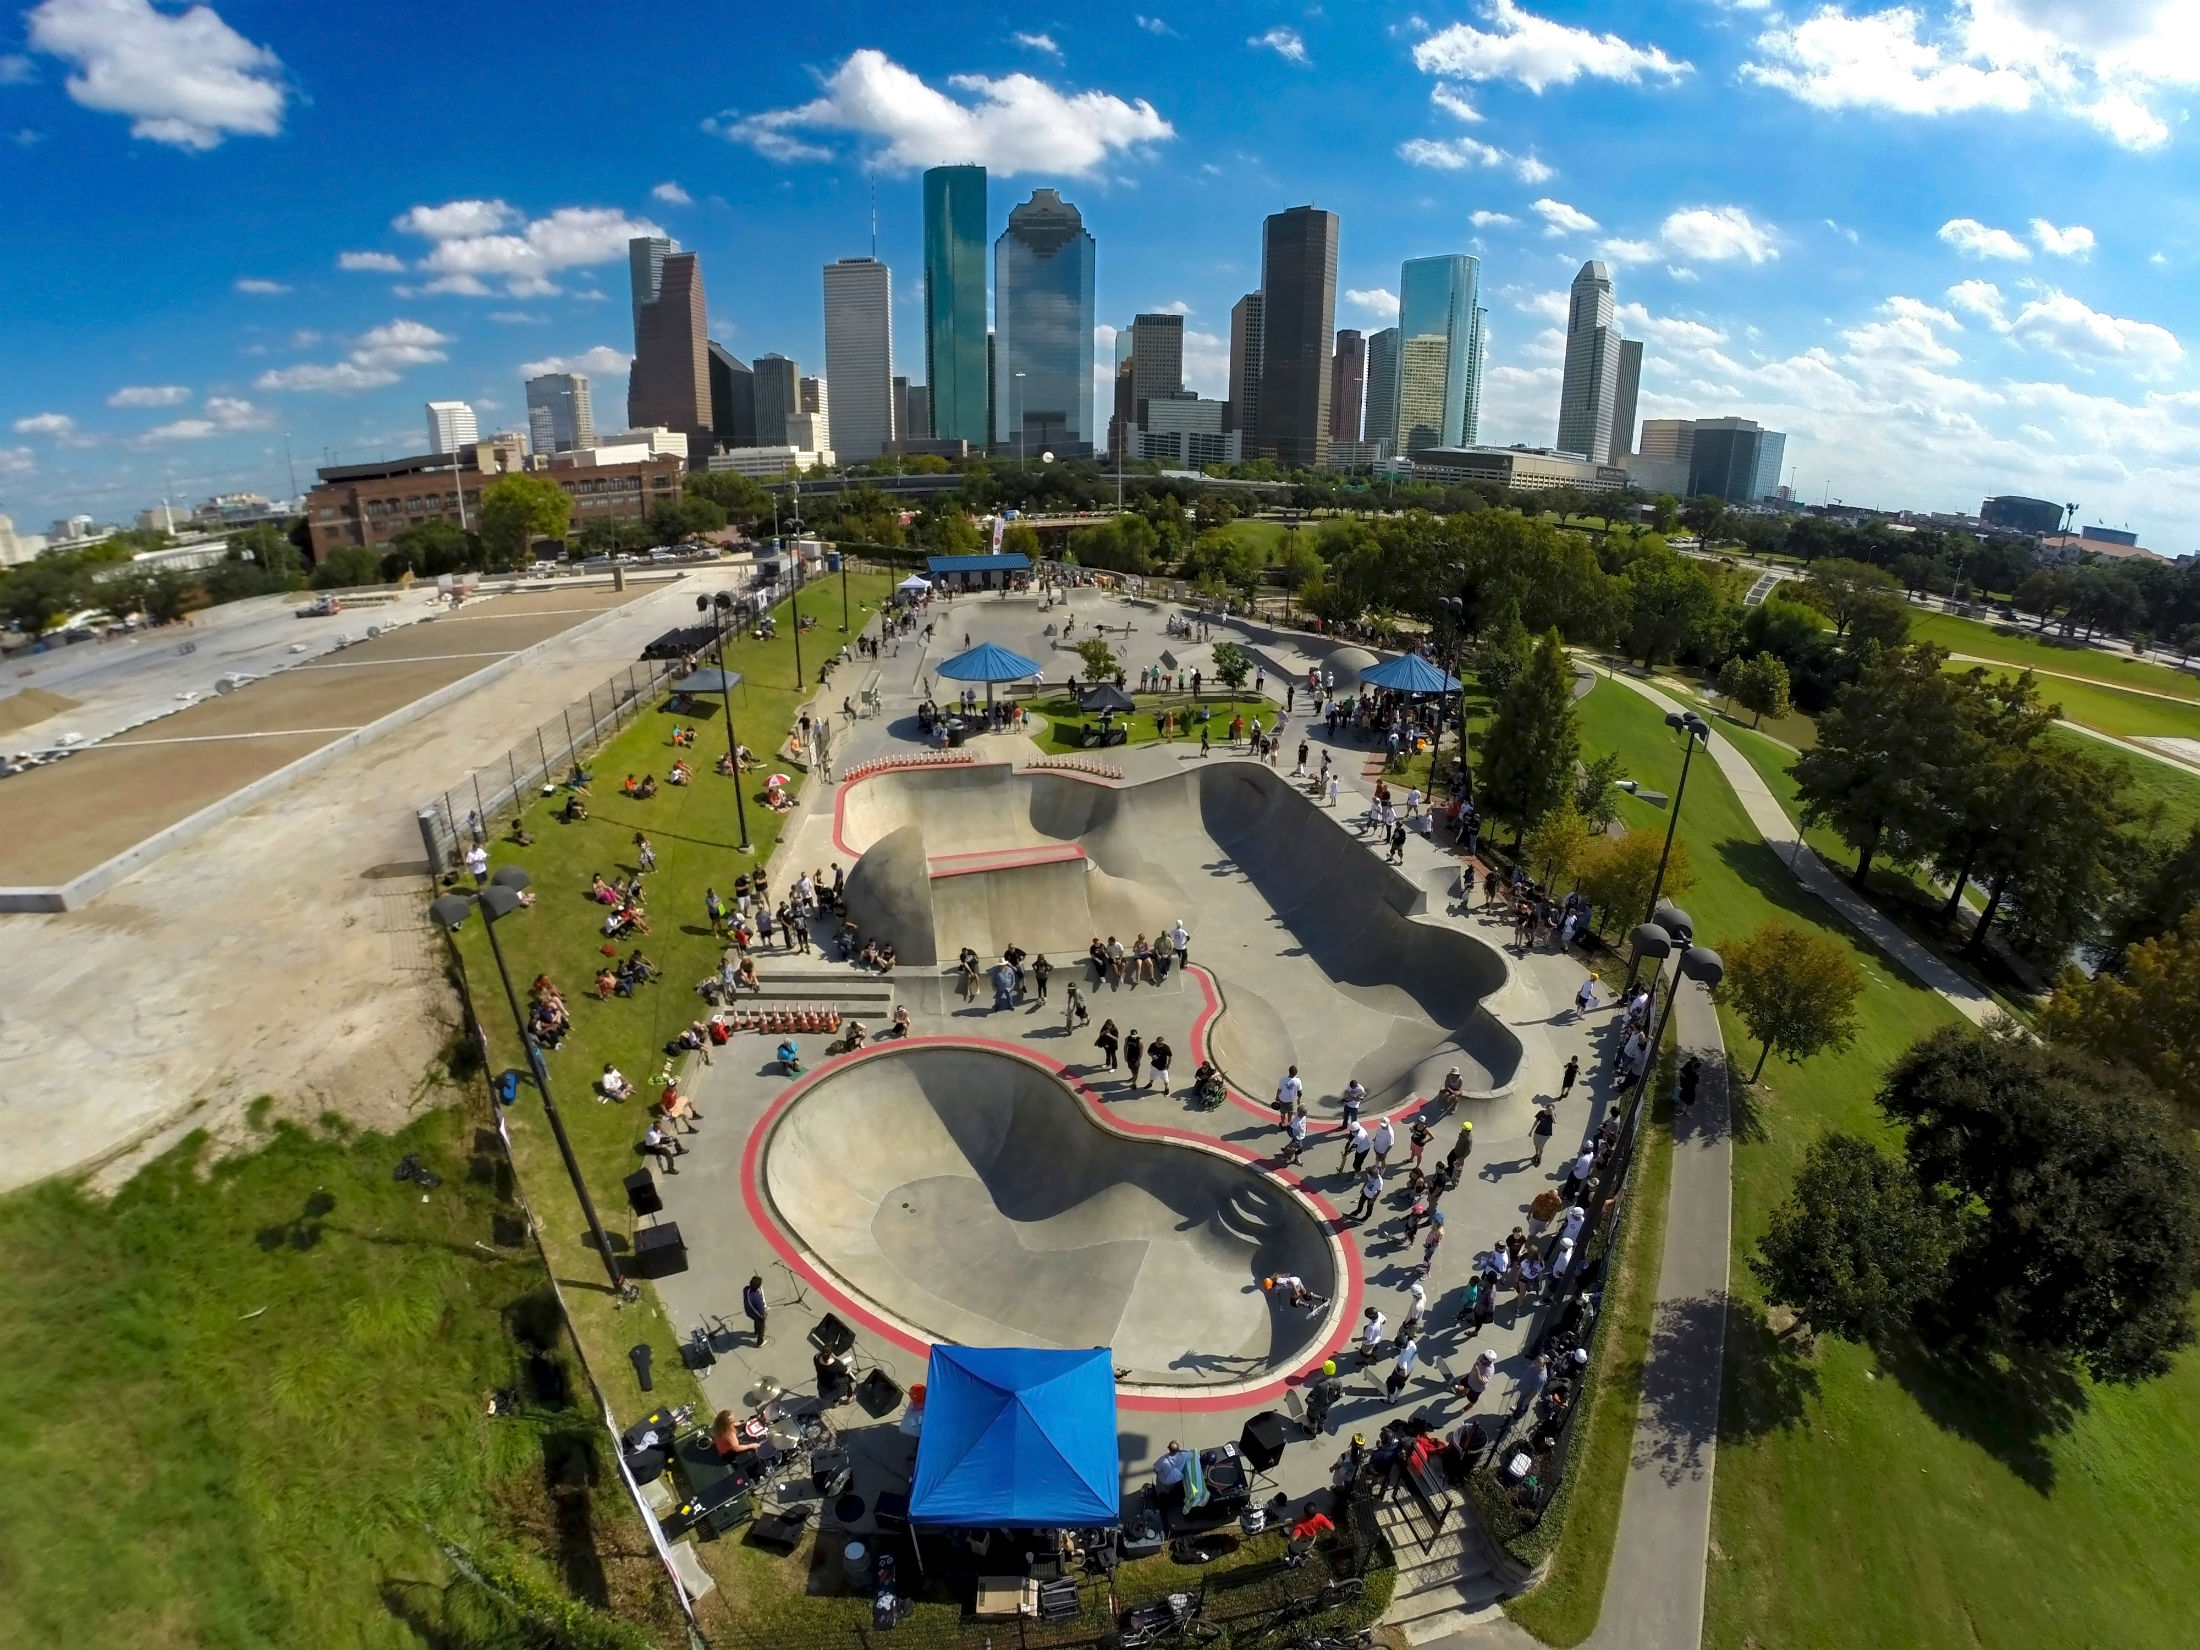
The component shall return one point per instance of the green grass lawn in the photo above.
(2112, 710)
(1268, 535)
(2026, 648)
(1064, 720)
(1900, 1503)
(235, 1394)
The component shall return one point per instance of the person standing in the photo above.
(1578, 1176)
(1531, 1388)
(1074, 1011)
(1402, 1370)
(645, 857)
(1295, 1147)
(1417, 1139)
(1540, 1132)
(1567, 1077)
(1357, 1144)
(1134, 1053)
(1384, 1140)
(1041, 972)
(1181, 938)
(1371, 1335)
(1203, 745)
(1332, 787)
(1353, 1098)
(1416, 1310)
(754, 1306)
(1461, 1149)
(1158, 1058)
(1371, 1191)
(1288, 1092)
(1106, 1042)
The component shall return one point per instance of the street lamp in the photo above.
(497, 901)
(1460, 609)
(718, 607)
(1692, 728)
(1018, 387)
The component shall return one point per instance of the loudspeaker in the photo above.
(659, 1252)
(1263, 1439)
(831, 1335)
(879, 1395)
(642, 1195)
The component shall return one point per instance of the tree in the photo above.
(429, 548)
(1099, 658)
(1758, 685)
(516, 510)
(1669, 603)
(1596, 791)
(1558, 843)
(688, 516)
(1857, 1247)
(2057, 853)
(1529, 752)
(2076, 1191)
(1020, 539)
(40, 594)
(1842, 589)
(1795, 991)
(1232, 665)
(944, 529)
(1705, 514)
(1299, 563)
(1124, 545)
(740, 496)
(1618, 872)
(347, 565)
(1503, 653)
(1665, 513)
(1873, 775)
(2145, 1016)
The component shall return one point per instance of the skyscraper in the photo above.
(859, 357)
(1438, 325)
(645, 268)
(916, 413)
(1347, 380)
(1623, 399)
(559, 415)
(1245, 363)
(1726, 458)
(732, 399)
(1157, 358)
(954, 302)
(670, 383)
(450, 425)
(1381, 423)
(778, 398)
(1298, 285)
(1124, 417)
(1043, 266)
(1591, 386)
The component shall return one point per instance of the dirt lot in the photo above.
(282, 953)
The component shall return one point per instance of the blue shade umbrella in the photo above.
(989, 662)
(1410, 673)
(708, 680)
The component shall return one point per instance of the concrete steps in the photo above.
(1452, 1583)
(867, 997)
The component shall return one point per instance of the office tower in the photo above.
(1471, 429)
(1381, 422)
(1245, 361)
(916, 414)
(1727, 458)
(1043, 266)
(859, 358)
(813, 397)
(778, 397)
(1298, 287)
(992, 386)
(645, 268)
(954, 303)
(451, 424)
(559, 416)
(1157, 358)
(901, 404)
(670, 382)
(732, 399)
(1585, 399)
(1123, 420)
(1438, 326)
(1771, 459)
(1347, 381)
(1623, 399)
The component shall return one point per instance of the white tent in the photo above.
(912, 586)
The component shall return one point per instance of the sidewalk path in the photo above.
(1813, 873)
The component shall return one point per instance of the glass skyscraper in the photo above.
(1439, 354)
(954, 302)
(1382, 387)
(1043, 314)
(1589, 393)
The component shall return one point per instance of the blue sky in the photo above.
(1951, 249)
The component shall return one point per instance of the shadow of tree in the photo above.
(2010, 1404)
(1768, 1382)
(1680, 1386)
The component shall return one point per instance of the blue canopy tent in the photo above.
(708, 680)
(989, 662)
(1410, 673)
(1017, 1437)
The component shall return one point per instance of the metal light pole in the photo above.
(1018, 387)
(718, 607)
(497, 901)
(1459, 607)
(1692, 728)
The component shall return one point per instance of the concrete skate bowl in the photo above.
(968, 1194)
(1300, 924)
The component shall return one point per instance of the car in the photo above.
(319, 608)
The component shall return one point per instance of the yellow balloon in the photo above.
(1329, 1366)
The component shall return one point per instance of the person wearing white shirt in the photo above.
(1386, 1137)
(1576, 1218)
(1357, 1144)
(1371, 1335)
(1181, 938)
(1287, 1094)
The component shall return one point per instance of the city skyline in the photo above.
(1936, 300)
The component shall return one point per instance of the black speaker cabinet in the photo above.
(831, 1335)
(1263, 1439)
(642, 1195)
(659, 1252)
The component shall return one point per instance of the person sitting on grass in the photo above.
(574, 811)
(612, 1085)
(638, 967)
(601, 891)
(576, 780)
(647, 788)
(521, 837)
(631, 786)
(681, 773)
(606, 983)
(725, 766)
(682, 737)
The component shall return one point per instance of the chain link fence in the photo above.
(466, 812)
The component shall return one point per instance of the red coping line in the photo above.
(752, 1192)
(1003, 859)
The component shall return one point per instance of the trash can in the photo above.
(855, 1564)
(957, 731)
(832, 561)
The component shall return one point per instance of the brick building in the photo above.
(369, 503)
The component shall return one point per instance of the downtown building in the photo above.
(670, 381)
(1589, 396)
(1297, 325)
(859, 360)
(1438, 376)
(1044, 316)
(1734, 459)
(560, 414)
(955, 351)
(369, 504)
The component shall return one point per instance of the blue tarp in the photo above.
(1017, 1436)
(1409, 673)
(989, 662)
(1001, 562)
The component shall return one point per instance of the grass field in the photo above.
(2027, 649)
(236, 1395)
(1903, 1502)
(1268, 535)
(1064, 720)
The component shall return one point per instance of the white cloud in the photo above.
(1669, 333)
(149, 395)
(17, 461)
(1492, 220)
(2074, 242)
(1013, 124)
(1449, 154)
(1041, 43)
(602, 360)
(1528, 169)
(1715, 234)
(185, 79)
(1206, 363)
(1153, 25)
(1561, 219)
(1379, 302)
(1842, 230)
(2104, 62)
(514, 317)
(260, 288)
(377, 358)
(479, 240)
(2068, 327)
(382, 261)
(224, 415)
(1977, 240)
(46, 424)
(1537, 52)
(1453, 102)
(671, 194)
(1285, 43)
(1552, 306)
(1629, 252)
(1975, 297)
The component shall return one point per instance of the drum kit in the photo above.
(798, 1443)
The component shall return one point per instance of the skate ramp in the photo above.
(972, 1196)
